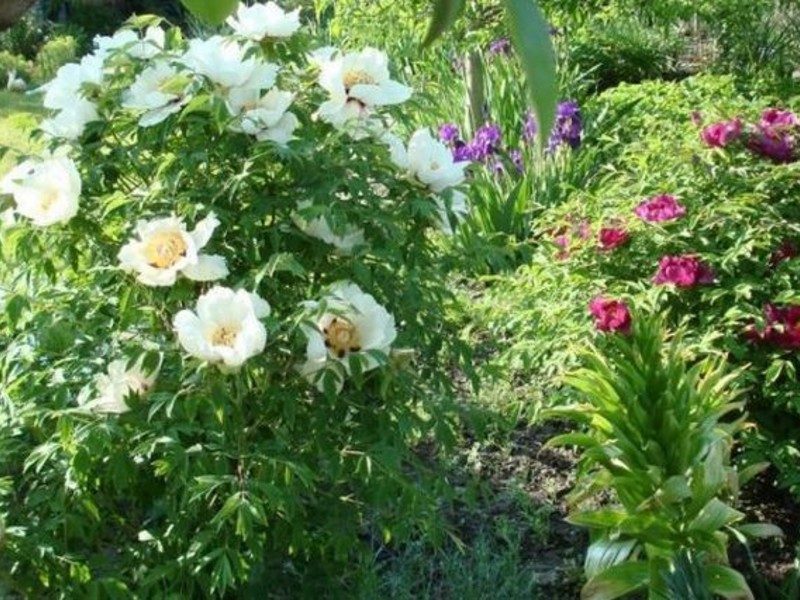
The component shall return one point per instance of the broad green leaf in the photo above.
(727, 583)
(760, 530)
(750, 471)
(445, 13)
(531, 37)
(604, 517)
(714, 515)
(211, 11)
(616, 582)
(582, 440)
(675, 488)
(605, 553)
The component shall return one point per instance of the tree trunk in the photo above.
(11, 11)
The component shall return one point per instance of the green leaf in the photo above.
(727, 583)
(211, 11)
(605, 553)
(445, 13)
(531, 37)
(582, 440)
(714, 515)
(760, 530)
(604, 517)
(616, 582)
(750, 471)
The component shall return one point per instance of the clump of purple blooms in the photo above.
(486, 146)
(568, 127)
(501, 46)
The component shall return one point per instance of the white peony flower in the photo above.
(128, 42)
(320, 229)
(116, 385)
(459, 207)
(264, 117)
(45, 191)
(264, 21)
(427, 159)
(225, 329)
(353, 324)
(159, 90)
(223, 61)
(322, 55)
(165, 248)
(357, 82)
(65, 88)
(69, 122)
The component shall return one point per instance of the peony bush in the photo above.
(226, 315)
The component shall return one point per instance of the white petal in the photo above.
(207, 268)
(204, 230)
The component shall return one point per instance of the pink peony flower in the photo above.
(612, 237)
(786, 251)
(610, 315)
(683, 271)
(719, 135)
(660, 208)
(783, 327)
(775, 144)
(776, 118)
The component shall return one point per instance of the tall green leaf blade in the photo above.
(530, 34)
(617, 581)
(445, 13)
(211, 11)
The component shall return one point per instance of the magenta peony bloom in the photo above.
(660, 208)
(775, 118)
(775, 144)
(683, 271)
(610, 315)
(786, 251)
(612, 237)
(783, 327)
(719, 135)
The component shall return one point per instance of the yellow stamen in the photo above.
(341, 336)
(224, 336)
(356, 77)
(165, 249)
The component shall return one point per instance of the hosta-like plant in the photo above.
(225, 315)
(660, 425)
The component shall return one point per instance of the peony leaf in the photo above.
(212, 11)
(445, 13)
(531, 37)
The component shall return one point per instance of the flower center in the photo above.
(224, 335)
(356, 77)
(165, 249)
(48, 199)
(341, 337)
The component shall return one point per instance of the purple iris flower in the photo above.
(518, 160)
(530, 128)
(448, 133)
(500, 46)
(568, 127)
(487, 141)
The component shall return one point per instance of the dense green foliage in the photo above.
(230, 484)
